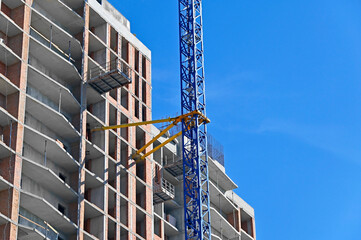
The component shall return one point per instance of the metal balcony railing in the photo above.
(109, 76)
(43, 227)
(163, 191)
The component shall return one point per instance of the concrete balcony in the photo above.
(53, 62)
(33, 233)
(52, 119)
(35, 229)
(53, 90)
(55, 151)
(223, 226)
(47, 212)
(219, 177)
(163, 191)
(63, 15)
(60, 38)
(219, 200)
(49, 180)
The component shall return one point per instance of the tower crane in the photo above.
(193, 120)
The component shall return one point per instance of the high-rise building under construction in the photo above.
(60, 180)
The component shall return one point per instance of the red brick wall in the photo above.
(5, 201)
(15, 43)
(17, 14)
(5, 9)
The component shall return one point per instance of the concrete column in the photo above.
(253, 222)
(132, 222)
(118, 151)
(22, 18)
(107, 116)
(83, 120)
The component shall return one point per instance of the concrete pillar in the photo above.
(131, 163)
(83, 120)
(107, 116)
(118, 150)
(22, 18)
(253, 222)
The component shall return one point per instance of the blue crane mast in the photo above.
(194, 132)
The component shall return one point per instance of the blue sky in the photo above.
(284, 97)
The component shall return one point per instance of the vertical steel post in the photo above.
(45, 152)
(195, 157)
(51, 36)
(69, 51)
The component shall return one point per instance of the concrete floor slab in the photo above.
(47, 212)
(13, 3)
(219, 177)
(88, 236)
(3, 219)
(49, 180)
(60, 66)
(6, 86)
(91, 210)
(91, 180)
(55, 152)
(245, 236)
(220, 200)
(52, 119)
(64, 16)
(6, 118)
(7, 25)
(8, 56)
(93, 151)
(62, 38)
(5, 151)
(53, 90)
(222, 225)
(4, 184)
(28, 233)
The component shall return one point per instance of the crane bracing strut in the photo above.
(139, 155)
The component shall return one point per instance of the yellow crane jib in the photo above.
(188, 118)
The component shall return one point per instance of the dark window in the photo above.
(136, 109)
(99, 1)
(62, 177)
(61, 208)
(144, 113)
